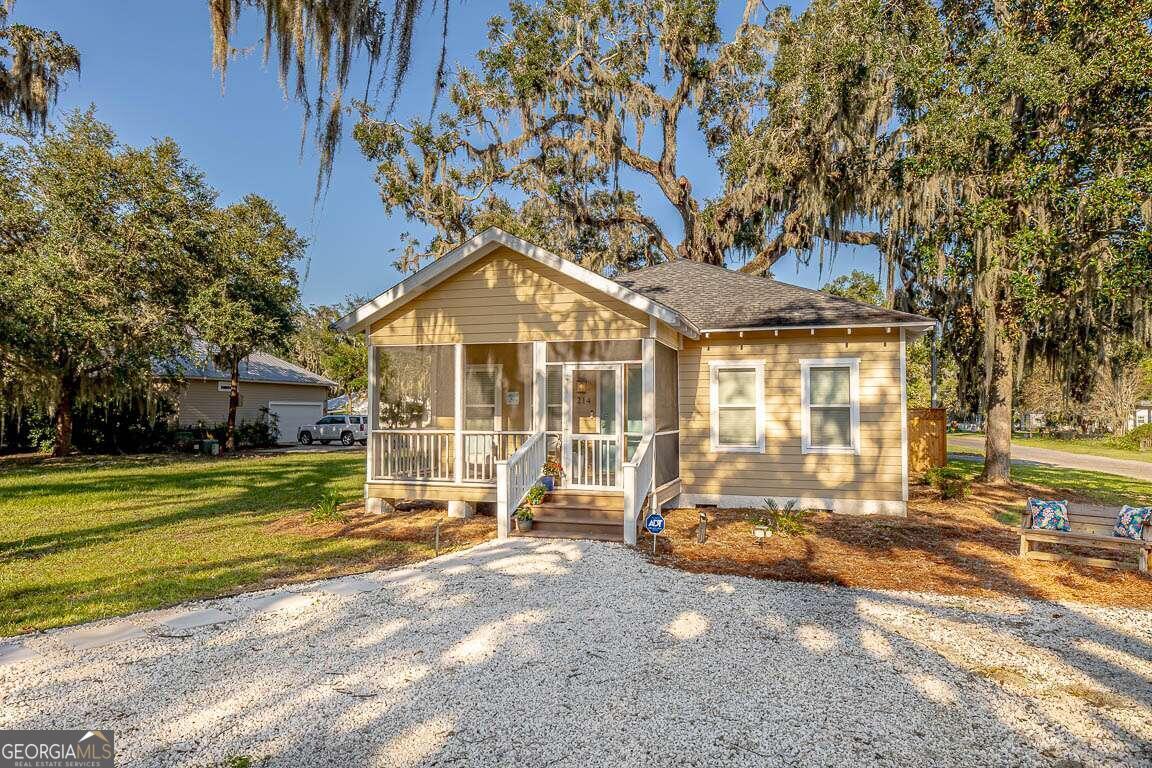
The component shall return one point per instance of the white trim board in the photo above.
(837, 505)
(483, 244)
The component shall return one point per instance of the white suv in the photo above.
(346, 429)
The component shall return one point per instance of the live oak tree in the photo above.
(314, 45)
(100, 249)
(250, 298)
(1023, 192)
(583, 108)
(32, 63)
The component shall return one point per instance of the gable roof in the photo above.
(259, 367)
(483, 244)
(718, 299)
(691, 297)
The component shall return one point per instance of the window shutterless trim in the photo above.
(853, 365)
(714, 366)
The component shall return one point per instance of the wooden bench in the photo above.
(1091, 528)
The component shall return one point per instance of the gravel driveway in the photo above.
(553, 653)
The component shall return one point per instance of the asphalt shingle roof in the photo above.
(713, 297)
(257, 367)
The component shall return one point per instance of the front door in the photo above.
(593, 428)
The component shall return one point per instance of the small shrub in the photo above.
(1136, 439)
(949, 481)
(786, 520)
(328, 508)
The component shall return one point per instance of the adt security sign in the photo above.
(654, 524)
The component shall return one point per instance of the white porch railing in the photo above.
(594, 459)
(483, 449)
(413, 454)
(515, 476)
(639, 476)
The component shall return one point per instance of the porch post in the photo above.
(648, 378)
(373, 421)
(539, 386)
(458, 416)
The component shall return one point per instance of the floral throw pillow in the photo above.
(1049, 515)
(1130, 521)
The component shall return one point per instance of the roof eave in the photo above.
(924, 325)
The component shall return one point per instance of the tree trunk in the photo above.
(62, 420)
(998, 426)
(233, 404)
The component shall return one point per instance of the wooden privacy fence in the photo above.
(927, 440)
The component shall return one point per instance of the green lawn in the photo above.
(97, 537)
(1084, 445)
(1095, 486)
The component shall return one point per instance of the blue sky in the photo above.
(147, 68)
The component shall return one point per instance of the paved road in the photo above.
(1025, 454)
(579, 654)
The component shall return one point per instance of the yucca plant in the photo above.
(327, 509)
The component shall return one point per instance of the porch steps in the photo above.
(571, 514)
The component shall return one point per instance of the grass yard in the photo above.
(1088, 446)
(967, 547)
(88, 538)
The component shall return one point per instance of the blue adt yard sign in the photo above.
(654, 524)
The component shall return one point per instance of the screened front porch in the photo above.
(451, 413)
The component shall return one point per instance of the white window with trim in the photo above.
(737, 403)
(830, 405)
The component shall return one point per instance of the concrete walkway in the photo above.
(1026, 454)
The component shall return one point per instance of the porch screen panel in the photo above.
(417, 387)
(667, 458)
(667, 388)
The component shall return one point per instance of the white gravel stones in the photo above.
(537, 652)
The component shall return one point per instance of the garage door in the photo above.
(292, 416)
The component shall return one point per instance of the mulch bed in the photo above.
(966, 547)
(417, 526)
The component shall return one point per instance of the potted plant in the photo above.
(536, 494)
(523, 519)
(551, 473)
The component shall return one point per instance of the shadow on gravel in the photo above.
(579, 654)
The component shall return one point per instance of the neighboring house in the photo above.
(1141, 414)
(680, 383)
(295, 395)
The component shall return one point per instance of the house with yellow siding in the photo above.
(678, 384)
